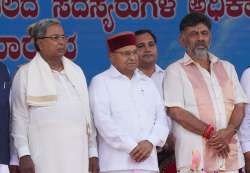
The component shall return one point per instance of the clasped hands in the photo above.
(219, 141)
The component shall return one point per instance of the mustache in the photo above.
(201, 43)
(146, 55)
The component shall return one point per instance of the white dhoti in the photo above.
(61, 148)
(58, 134)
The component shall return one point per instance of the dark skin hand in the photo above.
(195, 125)
(142, 151)
(170, 143)
(220, 140)
(14, 169)
(187, 120)
(247, 161)
(94, 165)
(26, 165)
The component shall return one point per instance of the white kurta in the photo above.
(244, 132)
(179, 92)
(126, 112)
(157, 78)
(55, 136)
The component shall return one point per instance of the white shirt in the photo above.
(244, 131)
(157, 78)
(126, 112)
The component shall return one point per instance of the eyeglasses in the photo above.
(127, 53)
(55, 37)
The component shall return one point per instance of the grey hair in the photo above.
(38, 29)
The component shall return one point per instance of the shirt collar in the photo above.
(113, 72)
(158, 69)
(188, 60)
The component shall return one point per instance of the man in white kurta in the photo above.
(157, 78)
(203, 96)
(146, 43)
(51, 122)
(181, 93)
(55, 136)
(244, 132)
(127, 111)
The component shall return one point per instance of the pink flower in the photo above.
(196, 159)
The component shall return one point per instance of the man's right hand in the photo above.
(142, 151)
(14, 169)
(219, 141)
(26, 165)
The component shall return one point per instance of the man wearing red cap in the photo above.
(128, 111)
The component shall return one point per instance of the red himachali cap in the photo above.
(121, 40)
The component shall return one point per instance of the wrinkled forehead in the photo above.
(39, 28)
(55, 29)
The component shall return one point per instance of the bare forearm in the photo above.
(187, 120)
(237, 116)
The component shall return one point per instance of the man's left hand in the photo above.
(94, 165)
(220, 141)
(142, 151)
(222, 136)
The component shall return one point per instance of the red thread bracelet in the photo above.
(208, 131)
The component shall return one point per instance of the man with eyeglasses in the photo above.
(128, 112)
(147, 52)
(52, 126)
